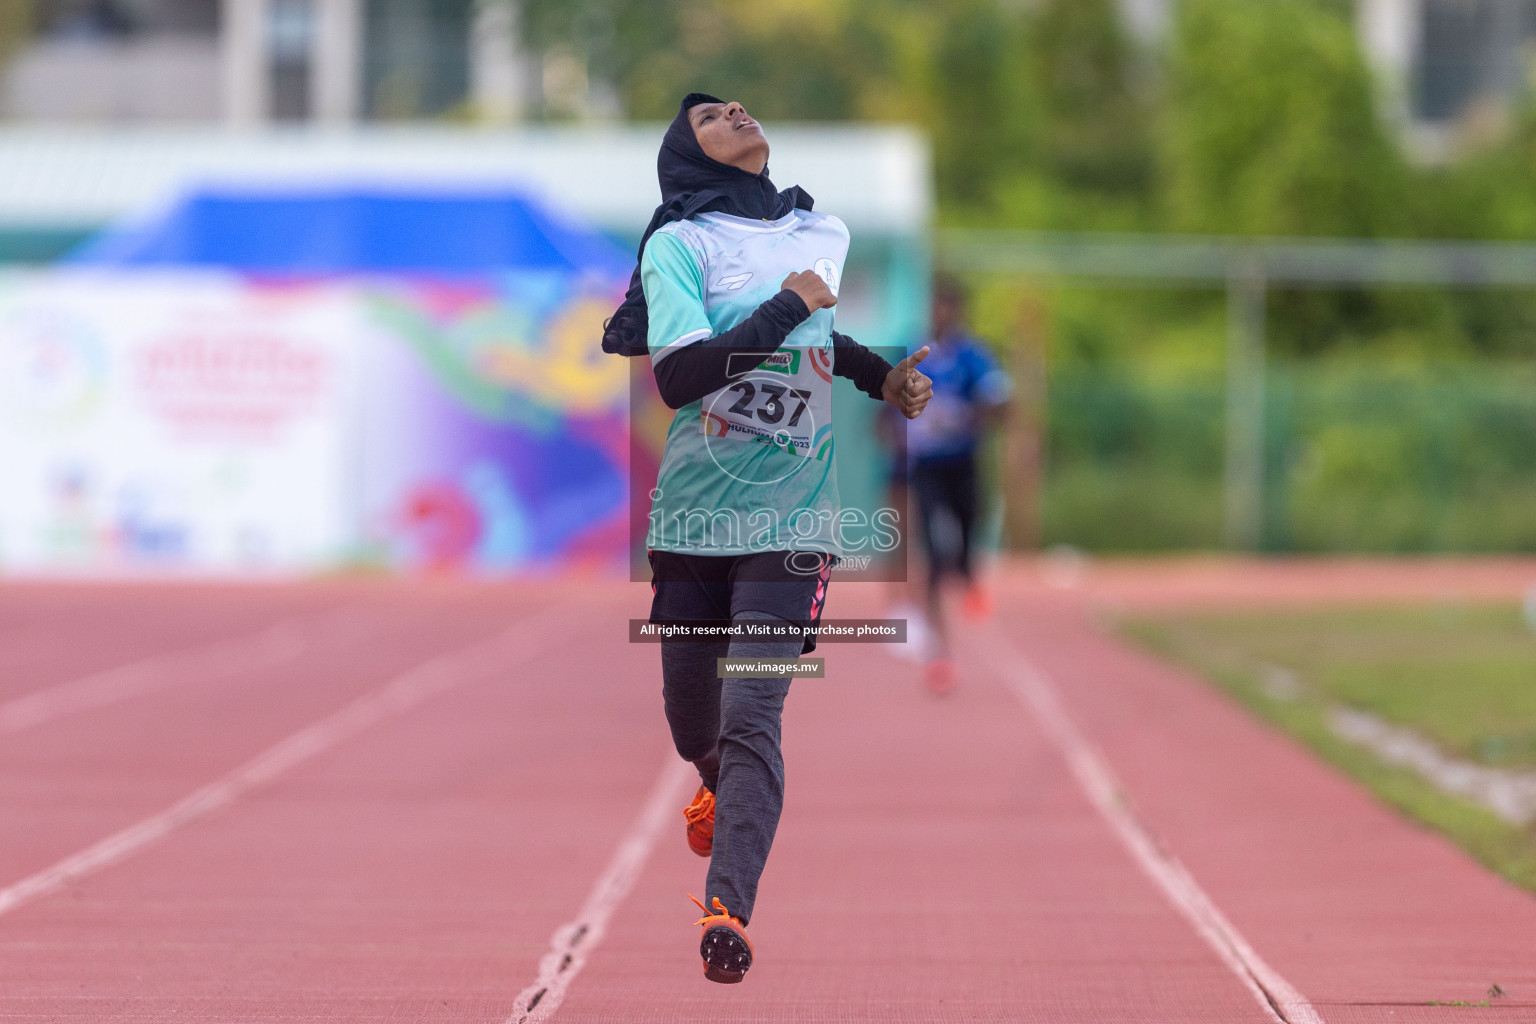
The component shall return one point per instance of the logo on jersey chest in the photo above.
(826, 269)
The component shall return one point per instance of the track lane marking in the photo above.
(433, 677)
(266, 648)
(574, 941)
(1277, 996)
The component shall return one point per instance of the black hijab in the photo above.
(693, 183)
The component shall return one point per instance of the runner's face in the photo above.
(728, 135)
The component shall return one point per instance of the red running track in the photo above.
(403, 791)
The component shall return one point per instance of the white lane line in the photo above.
(575, 940)
(264, 649)
(1278, 997)
(402, 693)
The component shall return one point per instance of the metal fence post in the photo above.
(1243, 486)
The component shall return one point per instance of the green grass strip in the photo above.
(1461, 675)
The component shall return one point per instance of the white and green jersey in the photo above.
(749, 467)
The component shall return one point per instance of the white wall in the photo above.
(876, 178)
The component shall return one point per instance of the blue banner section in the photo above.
(359, 230)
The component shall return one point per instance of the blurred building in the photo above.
(1451, 66)
(247, 62)
(117, 60)
(1443, 62)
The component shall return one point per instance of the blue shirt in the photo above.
(966, 379)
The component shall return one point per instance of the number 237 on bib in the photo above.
(784, 401)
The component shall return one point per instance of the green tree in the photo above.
(1030, 108)
(1268, 125)
(15, 26)
(1088, 157)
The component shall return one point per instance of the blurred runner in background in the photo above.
(970, 394)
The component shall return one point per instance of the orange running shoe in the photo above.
(939, 676)
(726, 950)
(700, 816)
(978, 603)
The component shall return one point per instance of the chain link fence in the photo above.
(1330, 454)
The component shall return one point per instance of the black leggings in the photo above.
(946, 484)
(730, 730)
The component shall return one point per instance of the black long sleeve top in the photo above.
(697, 369)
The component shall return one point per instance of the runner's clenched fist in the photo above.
(906, 387)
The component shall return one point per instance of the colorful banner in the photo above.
(172, 422)
(494, 434)
(205, 421)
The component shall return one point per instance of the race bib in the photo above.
(784, 401)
